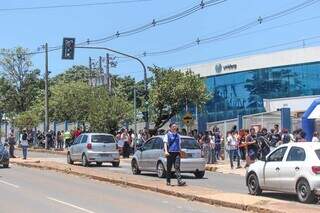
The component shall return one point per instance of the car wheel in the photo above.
(69, 160)
(253, 185)
(115, 164)
(161, 171)
(85, 161)
(99, 163)
(6, 165)
(199, 174)
(135, 168)
(305, 195)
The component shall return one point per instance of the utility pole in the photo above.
(108, 72)
(90, 70)
(46, 86)
(145, 76)
(100, 65)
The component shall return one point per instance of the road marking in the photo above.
(9, 184)
(71, 205)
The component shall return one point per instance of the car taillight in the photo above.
(89, 146)
(316, 170)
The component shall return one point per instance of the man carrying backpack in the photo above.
(172, 149)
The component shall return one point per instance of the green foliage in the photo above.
(28, 119)
(171, 90)
(20, 83)
(69, 101)
(106, 113)
(77, 73)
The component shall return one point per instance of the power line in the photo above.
(155, 22)
(242, 53)
(125, 59)
(73, 5)
(228, 34)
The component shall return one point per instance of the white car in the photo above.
(94, 147)
(291, 168)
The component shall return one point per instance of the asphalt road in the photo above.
(223, 182)
(32, 190)
(214, 180)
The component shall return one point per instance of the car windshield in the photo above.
(189, 143)
(102, 139)
(318, 153)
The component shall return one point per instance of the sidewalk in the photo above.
(201, 194)
(221, 167)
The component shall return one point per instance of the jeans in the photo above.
(11, 150)
(60, 145)
(232, 154)
(173, 159)
(218, 150)
(24, 151)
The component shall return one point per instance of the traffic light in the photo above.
(68, 48)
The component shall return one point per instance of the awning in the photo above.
(315, 113)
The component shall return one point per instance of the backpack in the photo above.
(24, 137)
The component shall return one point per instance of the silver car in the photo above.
(291, 168)
(150, 157)
(94, 147)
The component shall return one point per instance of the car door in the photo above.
(292, 168)
(155, 153)
(272, 168)
(76, 148)
(83, 144)
(73, 149)
(146, 154)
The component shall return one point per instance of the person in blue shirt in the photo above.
(172, 148)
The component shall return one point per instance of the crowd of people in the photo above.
(247, 145)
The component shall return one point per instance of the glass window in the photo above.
(296, 154)
(148, 145)
(78, 139)
(243, 92)
(318, 153)
(189, 143)
(278, 154)
(84, 139)
(158, 144)
(102, 139)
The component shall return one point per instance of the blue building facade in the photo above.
(243, 92)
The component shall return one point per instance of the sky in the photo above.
(32, 28)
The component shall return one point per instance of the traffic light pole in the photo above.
(144, 70)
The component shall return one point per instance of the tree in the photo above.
(171, 90)
(22, 83)
(69, 101)
(77, 73)
(106, 112)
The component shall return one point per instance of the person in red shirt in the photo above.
(77, 132)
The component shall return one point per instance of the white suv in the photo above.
(291, 168)
(94, 147)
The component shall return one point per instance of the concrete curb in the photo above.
(257, 207)
(64, 153)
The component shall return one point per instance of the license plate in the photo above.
(104, 155)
